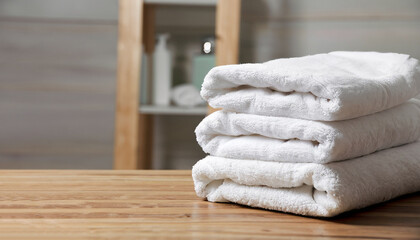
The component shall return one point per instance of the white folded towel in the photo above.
(256, 137)
(310, 188)
(333, 86)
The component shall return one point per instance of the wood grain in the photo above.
(228, 20)
(129, 61)
(146, 121)
(145, 204)
(228, 17)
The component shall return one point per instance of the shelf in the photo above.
(183, 2)
(173, 110)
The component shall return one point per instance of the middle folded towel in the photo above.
(281, 139)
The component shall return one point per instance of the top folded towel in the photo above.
(329, 87)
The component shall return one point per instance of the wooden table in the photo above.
(59, 204)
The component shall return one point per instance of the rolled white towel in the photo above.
(309, 188)
(280, 139)
(333, 86)
(186, 95)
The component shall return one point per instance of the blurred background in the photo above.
(58, 62)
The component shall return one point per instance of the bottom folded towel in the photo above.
(310, 188)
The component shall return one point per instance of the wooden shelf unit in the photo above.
(134, 128)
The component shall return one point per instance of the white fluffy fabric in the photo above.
(256, 137)
(186, 95)
(309, 188)
(333, 86)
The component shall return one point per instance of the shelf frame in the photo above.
(133, 128)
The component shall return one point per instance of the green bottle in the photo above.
(204, 62)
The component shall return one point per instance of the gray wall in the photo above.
(97, 10)
(289, 28)
(57, 83)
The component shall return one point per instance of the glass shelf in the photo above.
(173, 110)
(183, 2)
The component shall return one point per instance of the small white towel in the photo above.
(186, 95)
(256, 137)
(333, 86)
(309, 188)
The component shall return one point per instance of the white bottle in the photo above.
(162, 76)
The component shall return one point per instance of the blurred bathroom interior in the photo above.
(58, 66)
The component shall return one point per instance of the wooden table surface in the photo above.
(57, 204)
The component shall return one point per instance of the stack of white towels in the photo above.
(316, 135)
